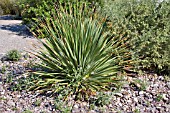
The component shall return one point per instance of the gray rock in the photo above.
(135, 99)
(164, 96)
(118, 94)
(168, 84)
(92, 111)
(11, 103)
(150, 100)
(120, 104)
(161, 78)
(155, 85)
(129, 101)
(127, 96)
(76, 106)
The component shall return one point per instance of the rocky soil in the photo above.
(148, 93)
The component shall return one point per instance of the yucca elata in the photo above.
(77, 54)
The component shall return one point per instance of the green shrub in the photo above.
(9, 7)
(147, 25)
(32, 10)
(13, 55)
(79, 56)
(152, 25)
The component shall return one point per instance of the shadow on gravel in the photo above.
(20, 30)
(10, 17)
(6, 17)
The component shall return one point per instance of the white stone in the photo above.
(135, 99)
(76, 106)
(129, 101)
(141, 92)
(2, 93)
(118, 94)
(168, 84)
(11, 103)
(120, 104)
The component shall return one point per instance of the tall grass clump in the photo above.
(78, 56)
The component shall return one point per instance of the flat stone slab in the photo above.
(14, 35)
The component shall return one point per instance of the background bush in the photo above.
(147, 25)
(33, 10)
(9, 7)
(152, 26)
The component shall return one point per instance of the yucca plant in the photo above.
(77, 55)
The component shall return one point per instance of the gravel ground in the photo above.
(14, 35)
(148, 93)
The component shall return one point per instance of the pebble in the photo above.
(161, 78)
(11, 103)
(2, 92)
(135, 99)
(164, 97)
(155, 85)
(150, 100)
(76, 106)
(168, 84)
(141, 92)
(119, 94)
(129, 101)
(120, 104)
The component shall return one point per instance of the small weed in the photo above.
(167, 78)
(2, 98)
(62, 105)
(136, 111)
(37, 102)
(148, 103)
(32, 65)
(3, 70)
(13, 55)
(92, 106)
(100, 100)
(140, 84)
(159, 97)
(22, 83)
(102, 109)
(9, 79)
(14, 109)
(27, 111)
(26, 56)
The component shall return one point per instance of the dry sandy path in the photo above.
(14, 35)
